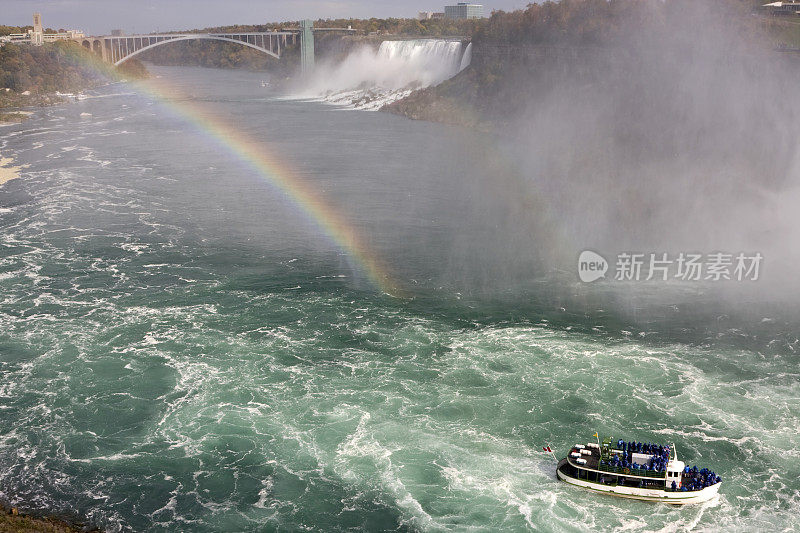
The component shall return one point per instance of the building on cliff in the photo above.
(464, 10)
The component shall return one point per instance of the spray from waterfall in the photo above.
(370, 78)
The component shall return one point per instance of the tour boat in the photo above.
(639, 471)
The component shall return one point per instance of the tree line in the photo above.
(60, 66)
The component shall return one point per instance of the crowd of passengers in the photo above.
(658, 462)
(694, 479)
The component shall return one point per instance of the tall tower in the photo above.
(307, 46)
(37, 36)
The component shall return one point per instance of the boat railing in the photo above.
(631, 471)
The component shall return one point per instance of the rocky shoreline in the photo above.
(12, 521)
(465, 100)
(12, 103)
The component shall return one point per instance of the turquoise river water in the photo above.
(182, 349)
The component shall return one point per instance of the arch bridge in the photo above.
(117, 49)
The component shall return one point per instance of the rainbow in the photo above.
(277, 173)
(271, 169)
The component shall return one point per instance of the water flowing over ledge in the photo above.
(369, 79)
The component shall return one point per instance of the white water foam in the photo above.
(368, 79)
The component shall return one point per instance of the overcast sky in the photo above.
(98, 17)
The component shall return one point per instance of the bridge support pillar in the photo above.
(307, 46)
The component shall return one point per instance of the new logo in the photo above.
(591, 266)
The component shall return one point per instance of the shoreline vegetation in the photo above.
(36, 76)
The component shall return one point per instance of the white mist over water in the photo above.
(369, 79)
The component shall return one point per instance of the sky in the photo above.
(98, 17)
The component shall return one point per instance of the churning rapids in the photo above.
(182, 350)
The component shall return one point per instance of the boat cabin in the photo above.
(674, 474)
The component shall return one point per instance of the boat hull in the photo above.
(649, 495)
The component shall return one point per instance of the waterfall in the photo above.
(466, 59)
(426, 62)
(369, 79)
